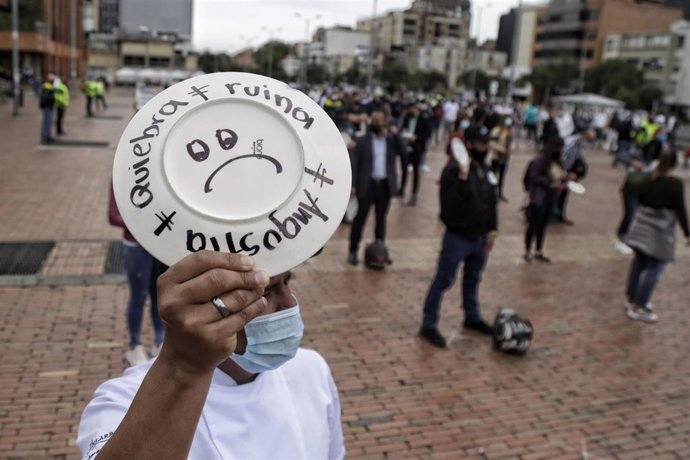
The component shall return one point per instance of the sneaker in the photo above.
(627, 305)
(503, 199)
(527, 257)
(542, 258)
(410, 168)
(412, 201)
(156, 349)
(137, 355)
(642, 314)
(623, 248)
(352, 259)
(480, 326)
(426, 168)
(433, 336)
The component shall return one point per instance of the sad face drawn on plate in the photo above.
(199, 151)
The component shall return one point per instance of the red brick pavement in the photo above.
(592, 379)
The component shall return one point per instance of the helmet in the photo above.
(512, 333)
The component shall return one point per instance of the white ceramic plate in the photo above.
(576, 187)
(232, 162)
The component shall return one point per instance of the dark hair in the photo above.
(667, 161)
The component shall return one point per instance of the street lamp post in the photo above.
(270, 48)
(476, 56)
(370, 68)
(514, 51)
(305, 60)
(15, 57)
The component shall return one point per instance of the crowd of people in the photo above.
(239, 352)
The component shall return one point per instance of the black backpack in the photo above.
(512, 333)
(376, 255)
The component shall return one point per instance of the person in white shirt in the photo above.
(450, 114)
(230, 380)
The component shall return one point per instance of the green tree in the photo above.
(432, 80)
(317, 73)
(608, 78)
(268, 57)
(481, 80)
(209, 62)
(547, 79)
(394, 75)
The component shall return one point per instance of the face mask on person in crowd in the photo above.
(509, 122)
(478, 155)
(464, 124)
(272, 340)
(377, 129)
(663, 137)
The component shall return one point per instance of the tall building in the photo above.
(431, 34)
(575, 29)
(45, 38)
(506, 32)
(508, 27)
(662, 57)
(164, 16)
(108, 15)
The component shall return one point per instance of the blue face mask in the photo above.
(464, 124)
(663, 137)
(272, 340)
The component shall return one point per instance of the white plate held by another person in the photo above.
(460, 154)
(232, 162)
(575, 187)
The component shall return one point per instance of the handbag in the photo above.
(653, 233)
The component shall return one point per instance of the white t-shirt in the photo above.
(450, 111)
(290, 413)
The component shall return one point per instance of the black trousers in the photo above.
(379, 195)
(100, 102)
(89, 105)
(561, 204)
(499, 167)
(416, 161)
(58, 121)
(537, 220)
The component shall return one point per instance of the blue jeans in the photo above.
(457, 249)
(645, 272)
(142, 272)
(46, 125)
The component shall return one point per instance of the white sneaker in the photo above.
(137, 355)
(623, 248)
(410, 168)
(426, 168)
(155, 350)
(642, 314)
(627, 305)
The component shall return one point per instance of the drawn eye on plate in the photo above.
(199, 151)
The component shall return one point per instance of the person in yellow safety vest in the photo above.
(646, 131)
(89, 92)
(61, 103)
(46, 104)
(99, 86)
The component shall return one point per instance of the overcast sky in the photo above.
(230, 25)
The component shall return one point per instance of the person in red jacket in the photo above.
(142, 271)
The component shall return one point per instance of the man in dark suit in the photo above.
(374, 178)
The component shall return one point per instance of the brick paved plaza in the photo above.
(594, 385)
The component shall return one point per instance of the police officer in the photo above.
(47, 103)
(61, 103)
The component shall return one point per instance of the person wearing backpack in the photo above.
(543, 180)
(46, 104)
(652, 236)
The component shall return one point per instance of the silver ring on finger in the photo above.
(220, 306)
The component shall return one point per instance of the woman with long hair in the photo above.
(652, 236)
(501, 141)
(544, 178)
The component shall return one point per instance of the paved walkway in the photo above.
(593, 380)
